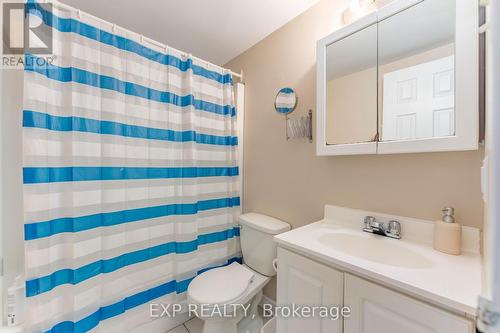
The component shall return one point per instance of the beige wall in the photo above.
(12, 235)
(287, 180)
(352, 108)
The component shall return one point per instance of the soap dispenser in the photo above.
(448, 233)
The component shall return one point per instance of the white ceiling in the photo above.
(214, 30)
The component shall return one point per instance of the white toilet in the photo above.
(227, 288)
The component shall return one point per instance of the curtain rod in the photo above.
(141, 37)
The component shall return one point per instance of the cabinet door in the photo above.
(302, 281)
(375, 309)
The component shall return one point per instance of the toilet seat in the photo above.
(223, 285)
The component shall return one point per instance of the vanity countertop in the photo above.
(407, 265)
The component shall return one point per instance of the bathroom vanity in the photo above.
(390, 285)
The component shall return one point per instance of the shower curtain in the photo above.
(130, 177)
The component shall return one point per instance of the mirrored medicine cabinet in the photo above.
(403, 79)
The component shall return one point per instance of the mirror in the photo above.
(351, 88)
(417, 72)
(401, 79)
(286, 101)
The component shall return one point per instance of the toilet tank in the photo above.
(257, 244)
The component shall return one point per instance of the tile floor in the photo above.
(179, 329)
(191, 326)
(195, 325)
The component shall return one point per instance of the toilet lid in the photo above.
(220, 285)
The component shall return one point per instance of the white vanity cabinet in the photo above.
(305, 282)
(373, 308)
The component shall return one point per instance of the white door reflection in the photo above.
(419, 101)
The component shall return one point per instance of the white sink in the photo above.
(374, 248)
(409, 264)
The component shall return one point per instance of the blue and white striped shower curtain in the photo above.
(130, 177)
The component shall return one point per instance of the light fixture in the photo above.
(359, 8)
(354, 6)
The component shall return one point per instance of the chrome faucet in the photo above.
(393, 229)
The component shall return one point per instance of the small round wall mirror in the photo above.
(286, 101)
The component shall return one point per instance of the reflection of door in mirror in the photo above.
(417, 72)
(351, 88)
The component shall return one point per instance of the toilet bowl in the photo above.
(226, 298)
(222, 301)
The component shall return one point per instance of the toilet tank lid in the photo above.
(264, 223)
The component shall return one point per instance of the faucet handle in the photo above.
(394, 228)
(368, 221)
